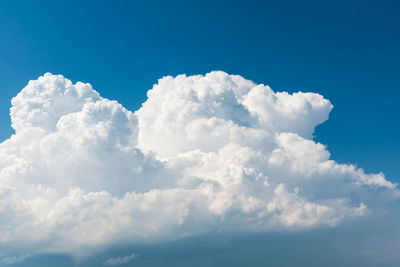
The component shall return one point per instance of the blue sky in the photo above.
(347, 51)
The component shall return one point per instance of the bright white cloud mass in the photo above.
(204, 154)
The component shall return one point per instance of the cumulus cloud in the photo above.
(204, 154)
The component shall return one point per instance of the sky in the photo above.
(347, 52)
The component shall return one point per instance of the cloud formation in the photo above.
(13, 259)
(119, 260)
(204, 154)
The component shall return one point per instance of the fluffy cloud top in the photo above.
(203, 154)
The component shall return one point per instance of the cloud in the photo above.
(204, 154)
(13, 259)
(119, 260)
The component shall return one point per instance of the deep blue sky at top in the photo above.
(349, 51)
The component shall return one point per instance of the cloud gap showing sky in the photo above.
(204, 154)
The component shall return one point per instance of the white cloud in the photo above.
(204, 154)
(119, 260)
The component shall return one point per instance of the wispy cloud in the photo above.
(13, 259)
(119, 260)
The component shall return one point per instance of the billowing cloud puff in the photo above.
(204, 154)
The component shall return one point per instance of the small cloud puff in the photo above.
(120, 260)
(204, 154)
